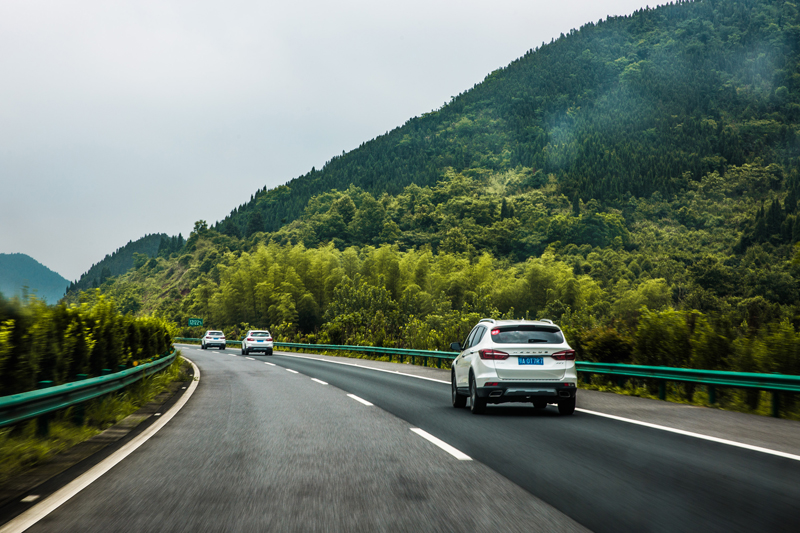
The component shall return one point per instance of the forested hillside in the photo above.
(625, 106)
(636, 180)
(20, 273)
(125, 258)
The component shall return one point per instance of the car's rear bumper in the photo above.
(215, 343)
(259, 348)
(526, 391)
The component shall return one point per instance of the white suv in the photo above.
(514, 361)
(213, 339)
(257, 341)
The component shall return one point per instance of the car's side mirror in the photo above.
(455, 346)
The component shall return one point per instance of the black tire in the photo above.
(459, 401)
(476, 404)
(540, 404)
(202, 346)
(244, 352)
(566, 406)
(269, 351)
(221, 347)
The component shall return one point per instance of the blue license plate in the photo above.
(216, 338)
(259, 341)
(530, 360)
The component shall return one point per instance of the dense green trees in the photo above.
(56, 343)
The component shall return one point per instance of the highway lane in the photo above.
(258, 448)
(606, 474)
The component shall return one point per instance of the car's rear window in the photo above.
(216, 333)
(527, 335)
(260, 334)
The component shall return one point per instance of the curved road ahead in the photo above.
(291, 443)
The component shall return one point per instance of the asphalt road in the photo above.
(606, 474)
(258, 448)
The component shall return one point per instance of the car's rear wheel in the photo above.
(269, 351)
(476, 404)
(202, 346)
(566, 406)
(221, 347)
(458, 400)
(244, 352)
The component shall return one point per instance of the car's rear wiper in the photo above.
(530, 341)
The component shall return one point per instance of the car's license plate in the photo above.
(216, 338)
(530, 360)
(260, 341)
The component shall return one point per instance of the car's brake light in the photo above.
(492, 354)
(564, 355)
(208, 337)
(492, 384)
(495, 332)
(269, 338)
(250, 339)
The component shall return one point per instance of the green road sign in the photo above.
(195, 322)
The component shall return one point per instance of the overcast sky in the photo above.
(123, 118)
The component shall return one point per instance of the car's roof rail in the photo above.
(544, 320)
(486, 320)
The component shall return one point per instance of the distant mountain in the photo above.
(19, 270)
(122, 260)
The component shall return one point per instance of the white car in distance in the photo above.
(213, 339)
(514, 361)
(257, 340)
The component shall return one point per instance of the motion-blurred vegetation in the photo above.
(57, 343)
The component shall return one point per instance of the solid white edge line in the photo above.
(443, 445)
(288, 370)
(353, 396)
(318, 381)
(61, 496)
(367, 367)
(693, 434)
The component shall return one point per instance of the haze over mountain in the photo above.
(20, 273)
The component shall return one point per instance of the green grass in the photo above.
(21, 449)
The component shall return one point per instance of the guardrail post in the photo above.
(43, 421)
(776, 404)
(79, 412)
(712, 394)
(662, 390)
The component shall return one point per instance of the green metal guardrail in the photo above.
(39, 403)
(402, 353)
(774, 383)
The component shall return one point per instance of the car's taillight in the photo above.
(492, 354)
(208, 337)
(564, 355)
(250, 339)
(269, 338)
(223, 338)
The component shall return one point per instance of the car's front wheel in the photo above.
(458, 400)
(566, 406)
(476, 404)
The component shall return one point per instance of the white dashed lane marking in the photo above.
(318, 381)
(362, 400)
(443, 445)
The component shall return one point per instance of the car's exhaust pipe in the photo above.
(564, 394)
(495, 394)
